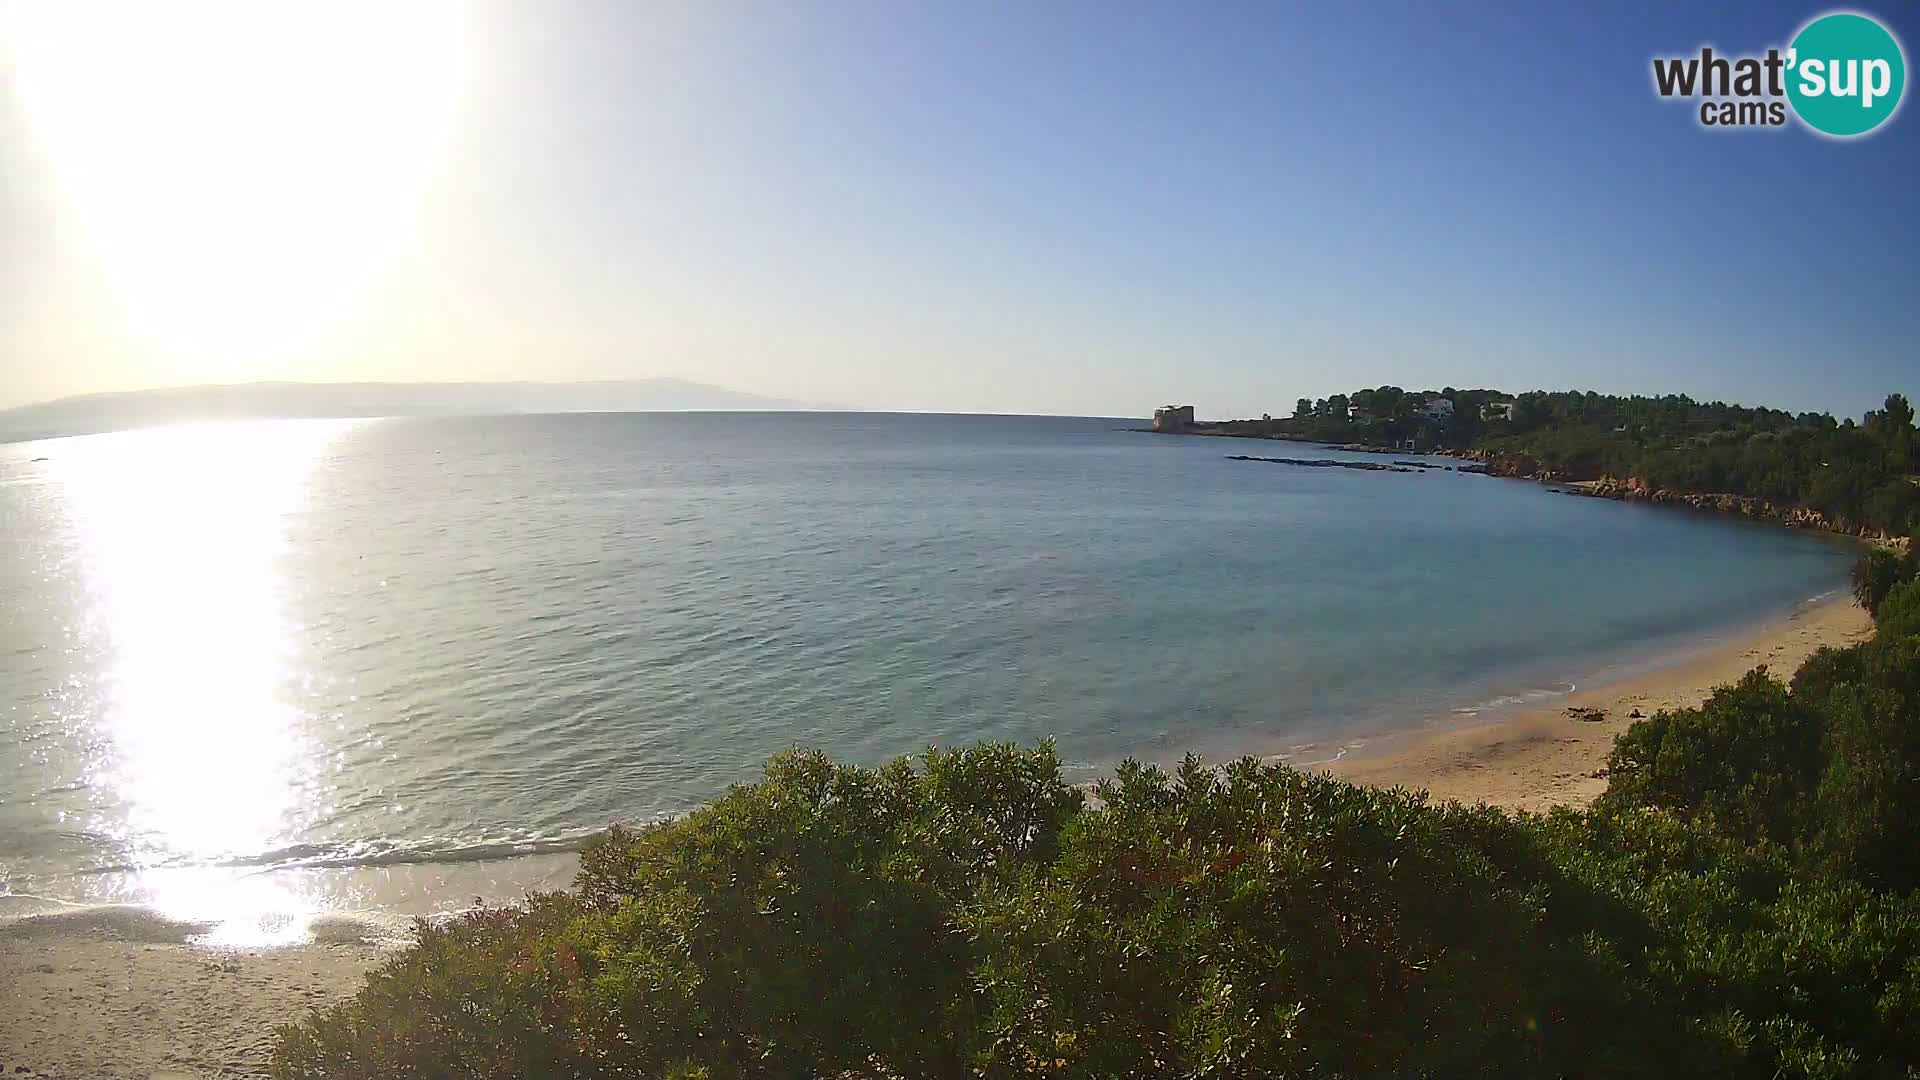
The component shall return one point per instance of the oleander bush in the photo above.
(1740, 903)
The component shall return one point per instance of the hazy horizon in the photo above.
(1068, 210)
(773, 403)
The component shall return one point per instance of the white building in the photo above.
(1437, 408)
(1497, 410)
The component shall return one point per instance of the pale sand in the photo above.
(116, 995)
(1537, 758)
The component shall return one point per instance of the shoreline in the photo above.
(1504, 466)
(118, 992)
(1537, 756)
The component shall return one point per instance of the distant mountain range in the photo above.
(93, 413)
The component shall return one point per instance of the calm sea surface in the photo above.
(228, 652)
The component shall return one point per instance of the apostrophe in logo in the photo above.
(1843, 75)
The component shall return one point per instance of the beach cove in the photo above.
(120, 995)
(671, 601)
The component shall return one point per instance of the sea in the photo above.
(255, 676)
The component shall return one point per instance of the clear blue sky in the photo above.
(1067, 207)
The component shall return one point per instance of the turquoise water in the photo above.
(433, 641)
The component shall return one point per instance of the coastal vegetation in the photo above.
(1858, 474)
(1856, 477)
(1743, 901)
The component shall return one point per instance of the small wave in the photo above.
(331, 856)
(1812, 602)
(125, 922)
(15, 905)
(1296, 756)
(1508, 701)
(48, 917)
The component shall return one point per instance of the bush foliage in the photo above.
(1741, 902)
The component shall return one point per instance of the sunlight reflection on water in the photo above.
(183, 533)
(257, 672)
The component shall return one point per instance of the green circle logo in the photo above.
(1845, 74)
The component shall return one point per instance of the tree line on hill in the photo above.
(1861, 475)
(1743, 901)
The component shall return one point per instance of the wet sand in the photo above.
(1539, 757)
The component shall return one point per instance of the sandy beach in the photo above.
(1538, 758)
(117, 994)
(114, 994)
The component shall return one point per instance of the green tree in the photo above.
(1893, 427)
(1876, 573)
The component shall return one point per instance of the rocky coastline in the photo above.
(1628, 489)
(1635, 489)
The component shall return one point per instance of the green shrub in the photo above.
(805, 924)
(1869, 792)
(1747, 757)
(1262, 922)
(1783, 973)
(1876, 573)
(978, 918)
(1899, 614)
(492, 995)
(1886, 662)
(1828, 769)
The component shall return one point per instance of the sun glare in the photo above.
(183, 532)
(241, 174)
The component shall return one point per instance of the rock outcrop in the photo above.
(1635, 489)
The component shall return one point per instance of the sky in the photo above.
(1062, 207)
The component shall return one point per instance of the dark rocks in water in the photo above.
(1416, 465)
(1322, 463)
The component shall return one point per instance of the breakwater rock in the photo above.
(1324, 463)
